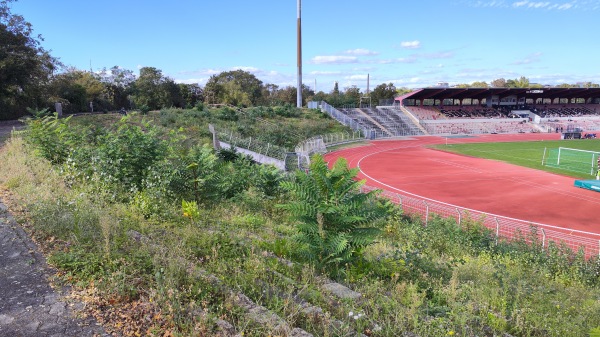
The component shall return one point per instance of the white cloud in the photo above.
(410, 44)
(357, 77)
(334, 59)
(325, 73)
(532, 58)
(528, 4)
(520, 3)
(410, 59)
(203, 72)
(565, 6)
(252, 70)
(201, 81)
(438, 55)
(361, 52)
(531, 4)
(495, 3)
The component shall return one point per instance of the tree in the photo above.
(118, 83)
(65, 90)
(173, 96)
(25, 67)
(307, 94)
(591, 85)
(383, 91)
(286, 95)
(564, 85)
(498, 83)
(233, 94)
(154, 91)
(320, 96)
(269, 94)
(352, 95)
(190, 93)
(250, 87)
(522, 82)
(75, 89)
(335, 222)
(289, 94)
(479, 84)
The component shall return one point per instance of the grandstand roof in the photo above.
(482, 93)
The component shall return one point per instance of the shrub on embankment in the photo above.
(150, 266)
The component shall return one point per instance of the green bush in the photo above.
(335, 222)
(144, 109)
(126, 155)
(227, 114)
(52, 137)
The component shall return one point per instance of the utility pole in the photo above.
(299, 23)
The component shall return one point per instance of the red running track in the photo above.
(489, 186)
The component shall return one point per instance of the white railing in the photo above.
(503, 227)
(319, 144)
(253, 144)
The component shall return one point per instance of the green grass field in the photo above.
(528, 154)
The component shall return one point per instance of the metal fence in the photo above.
(319, 144)
(426, 209)
(255, 145)
(345, 120)
(503, 227)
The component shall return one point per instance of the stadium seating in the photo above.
(392, 121)
(426, 112)
(385, 121)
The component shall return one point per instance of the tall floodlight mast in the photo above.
(299, 90)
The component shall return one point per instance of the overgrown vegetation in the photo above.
(149, 223)
(335, 219)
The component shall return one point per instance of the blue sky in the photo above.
(411, 44)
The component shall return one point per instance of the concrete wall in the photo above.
(280, 164)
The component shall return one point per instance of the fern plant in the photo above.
(335, 222)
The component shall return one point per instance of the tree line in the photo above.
(521, 82)
(32, 79)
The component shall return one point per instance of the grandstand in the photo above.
(453, 111)
(503, 110)
(382, 122)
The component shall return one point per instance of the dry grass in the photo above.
(30, 177)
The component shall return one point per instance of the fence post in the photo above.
(497, 229)
(543, 239)
(426, 212)
(400, 202)
(459, 216)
